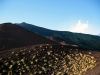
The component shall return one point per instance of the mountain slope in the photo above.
(83, 40)
(12, 35)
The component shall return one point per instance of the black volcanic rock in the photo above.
(47, 60)
(12, 35)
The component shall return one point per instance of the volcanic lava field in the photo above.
(48, 59)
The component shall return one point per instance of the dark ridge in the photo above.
(12, 36)
(86, 41)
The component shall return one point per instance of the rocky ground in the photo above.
(96, 69)
(49, 60)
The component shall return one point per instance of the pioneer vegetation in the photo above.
(24, 52)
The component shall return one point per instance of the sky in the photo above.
(82, 16)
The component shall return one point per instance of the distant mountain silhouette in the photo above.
(86, 41)
(12, 36)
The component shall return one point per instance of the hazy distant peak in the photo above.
(23, 23)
